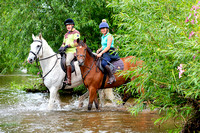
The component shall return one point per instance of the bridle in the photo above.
(35, 54)
(84, 56)
(81, 55)
(35, 58)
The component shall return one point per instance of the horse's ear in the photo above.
(78, 40)
(84, 40)
(33, 36)
(40, 36)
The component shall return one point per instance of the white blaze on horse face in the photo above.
(31, 55)
(80, 46)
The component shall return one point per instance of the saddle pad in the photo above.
(118, 65)
(114, 65)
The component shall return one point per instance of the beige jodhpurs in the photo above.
(70, 57)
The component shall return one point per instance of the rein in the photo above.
(53, 65)
(43, 59)
(87, 72)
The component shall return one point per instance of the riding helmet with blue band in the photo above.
(69, 21)
(103, 24)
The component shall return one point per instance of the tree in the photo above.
(22, 18)
(158, 32)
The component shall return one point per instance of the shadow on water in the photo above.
(27, 112)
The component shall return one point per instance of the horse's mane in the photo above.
(45, 44)
(91, 53)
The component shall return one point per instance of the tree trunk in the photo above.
(193, 124)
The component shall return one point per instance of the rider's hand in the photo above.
(99, 55)
(98, 51)
(61, 49)
(66, 47)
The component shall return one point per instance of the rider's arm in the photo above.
(76, 36)
(99, 50)
(62, 47)
(63, 44)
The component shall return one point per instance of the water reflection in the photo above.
(26, 112)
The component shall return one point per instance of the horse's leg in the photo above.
(109, 94)
(106, 94)
(101, 97)
(82, 98)
(54, 98)
(96, 102)
(126, 96)
(92, 95)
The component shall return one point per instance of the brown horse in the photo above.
(93, 77)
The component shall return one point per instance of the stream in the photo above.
(22, 112)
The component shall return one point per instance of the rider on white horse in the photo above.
(69, 45)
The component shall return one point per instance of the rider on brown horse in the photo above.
(107, 42)
(69, 45)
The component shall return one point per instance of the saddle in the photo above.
(63, 63)
(114, 65)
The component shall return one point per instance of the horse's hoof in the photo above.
(89, 107)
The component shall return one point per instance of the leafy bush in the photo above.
(20, 19)
(158, 32)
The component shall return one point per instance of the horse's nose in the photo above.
(30, 60)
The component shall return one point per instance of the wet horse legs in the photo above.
(96, 102)
(93, 98)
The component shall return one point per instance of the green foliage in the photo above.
(20, 19)
(80, 89)
(157, 32)
(34, 85)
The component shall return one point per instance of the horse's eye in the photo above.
(38, 46)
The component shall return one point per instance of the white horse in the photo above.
(53, 75)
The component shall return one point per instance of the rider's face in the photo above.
(69, 27)
(103, 30)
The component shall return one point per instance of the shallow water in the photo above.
(27, 112)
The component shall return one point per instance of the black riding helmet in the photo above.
(69, 21)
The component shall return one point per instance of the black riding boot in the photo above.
(110, 74)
